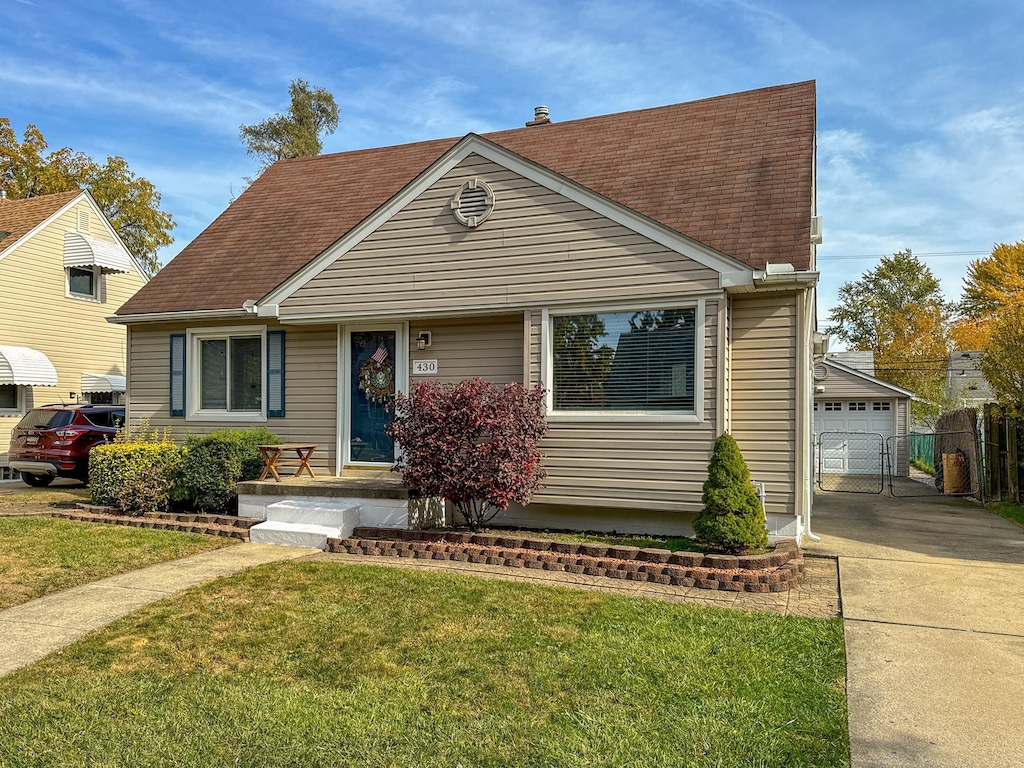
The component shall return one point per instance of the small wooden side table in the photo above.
(273, 458)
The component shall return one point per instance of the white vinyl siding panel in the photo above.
(651, 465)
(537, 248)
(311, 363)
(488, 347)
(72, 333)
(764, 378)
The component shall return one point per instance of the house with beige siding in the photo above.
(653, 270)
(63, 271)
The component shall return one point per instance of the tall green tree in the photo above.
(897, 311)
(130, 202)
(311, 114)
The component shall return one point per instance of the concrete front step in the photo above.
(293, 534)
(343, 514)
(305, 523)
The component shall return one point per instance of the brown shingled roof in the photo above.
(733, 172)
(19, 217)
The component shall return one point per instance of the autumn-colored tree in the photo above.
(130, 202)
(312, 112)
(1002, 361)
(967, 334)
(994, 282)
(897, 311)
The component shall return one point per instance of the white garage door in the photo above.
(838, 424)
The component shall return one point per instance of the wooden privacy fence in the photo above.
(1002, 435)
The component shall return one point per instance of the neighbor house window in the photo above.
(9, 397)
(624, 361)
(83, 283)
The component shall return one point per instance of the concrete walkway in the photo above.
(933, 603)
(30, 631)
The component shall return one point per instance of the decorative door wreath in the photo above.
(377, 377)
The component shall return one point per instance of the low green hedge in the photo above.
(115, 467)
(212, 464)
(142, 474)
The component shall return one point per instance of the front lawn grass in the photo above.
(40, 555)
(319, 663)
(1012, 512)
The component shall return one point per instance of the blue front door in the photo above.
(373, 371)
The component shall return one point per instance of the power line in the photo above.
(931, 255)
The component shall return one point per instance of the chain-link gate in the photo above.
(943, 464)
(851, 462)
(940, 464)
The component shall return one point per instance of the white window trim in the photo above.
(99, 283)
(19, 409)
(696, 416)
(193, 394)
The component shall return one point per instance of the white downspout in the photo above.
(808, 359)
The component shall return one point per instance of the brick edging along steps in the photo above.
(776, 571)
(212, 525)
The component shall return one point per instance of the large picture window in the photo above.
(624, 361)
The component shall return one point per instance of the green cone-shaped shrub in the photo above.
(732, 519)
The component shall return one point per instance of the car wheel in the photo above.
(37, 481)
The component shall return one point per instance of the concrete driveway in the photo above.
(932, 594)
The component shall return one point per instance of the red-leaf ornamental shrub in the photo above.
(473, 443)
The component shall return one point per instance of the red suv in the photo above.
(55, 440)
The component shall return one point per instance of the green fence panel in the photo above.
(922, 448)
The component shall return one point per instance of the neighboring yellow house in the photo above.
(63, 271)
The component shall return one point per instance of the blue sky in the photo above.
(920, 104)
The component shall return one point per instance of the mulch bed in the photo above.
(776, 571)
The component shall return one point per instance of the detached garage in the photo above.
(861, 414)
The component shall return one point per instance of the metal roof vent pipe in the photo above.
(540, 116)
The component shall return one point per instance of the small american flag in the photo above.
(380, 355)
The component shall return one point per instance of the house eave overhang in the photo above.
(474, 144)
(457, 310)
(166, 317)
(760, 281)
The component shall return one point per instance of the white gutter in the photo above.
(157, 317)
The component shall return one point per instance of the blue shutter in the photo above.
(177, 374)
(275, 374)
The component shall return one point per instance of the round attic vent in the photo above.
(473, 203)
(820, 372)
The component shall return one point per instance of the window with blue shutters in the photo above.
(227, 374)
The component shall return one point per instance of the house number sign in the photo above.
(424, 367)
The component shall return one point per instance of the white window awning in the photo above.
(102, 382)
(25, 366)
(85, 252)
